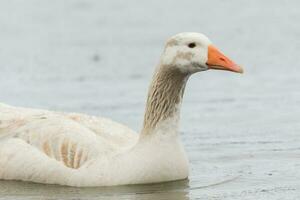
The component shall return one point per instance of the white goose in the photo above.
(80, 150)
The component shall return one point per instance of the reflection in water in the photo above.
(171, 190)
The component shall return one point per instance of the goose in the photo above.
(80, 150)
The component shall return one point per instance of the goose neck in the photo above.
(165, 94)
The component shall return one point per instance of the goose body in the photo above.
(80, 150)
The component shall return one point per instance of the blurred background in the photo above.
(241, 132)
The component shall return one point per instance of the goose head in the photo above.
(193, 52)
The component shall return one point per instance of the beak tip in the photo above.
(241, 70)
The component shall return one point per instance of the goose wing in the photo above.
(36, 139)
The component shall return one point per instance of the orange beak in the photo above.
(217, 60)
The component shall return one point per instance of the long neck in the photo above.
(164, 101)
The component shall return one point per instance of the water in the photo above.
(241, 132)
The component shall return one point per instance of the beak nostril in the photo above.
(223, 59)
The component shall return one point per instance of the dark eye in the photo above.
(192, 45)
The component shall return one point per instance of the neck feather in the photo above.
(164, 99)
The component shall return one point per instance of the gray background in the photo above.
(97, 57)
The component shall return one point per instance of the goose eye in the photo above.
(192, 45)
